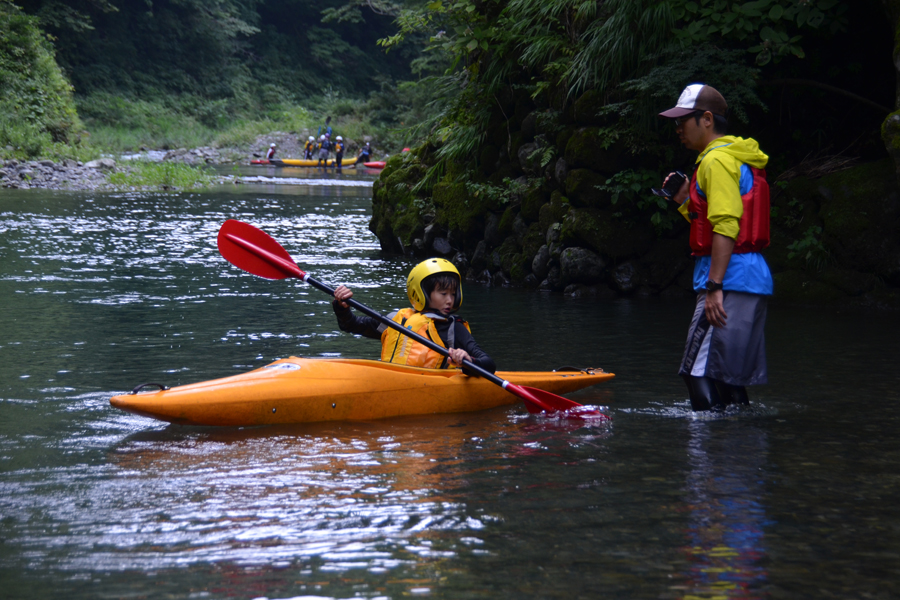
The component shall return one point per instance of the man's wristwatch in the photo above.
(712, 286)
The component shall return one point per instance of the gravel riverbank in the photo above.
(94, 175)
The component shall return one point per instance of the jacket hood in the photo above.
(745, 150)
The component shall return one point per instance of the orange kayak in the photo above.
(304, 390)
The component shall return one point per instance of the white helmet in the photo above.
(339, 138)
(322, 138)
(272, 145)
(312, 139)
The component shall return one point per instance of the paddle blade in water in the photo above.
(254, 251)
(537, 401)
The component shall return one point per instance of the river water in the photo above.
(795, 497)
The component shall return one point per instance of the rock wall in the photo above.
(558, 228)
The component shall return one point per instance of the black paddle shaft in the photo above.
(407, 332)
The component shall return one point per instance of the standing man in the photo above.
(726, 202)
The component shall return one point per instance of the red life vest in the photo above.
(754, 225)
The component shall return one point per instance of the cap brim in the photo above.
(674, 113)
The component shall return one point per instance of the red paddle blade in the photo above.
(541, 401)
(254, 251)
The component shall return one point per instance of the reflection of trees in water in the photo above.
(725, 490)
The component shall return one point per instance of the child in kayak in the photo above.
(365, 154)
(271, 153)
(434, 290)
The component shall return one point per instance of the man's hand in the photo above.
(722, 246)
(715, 309)
(682, 193)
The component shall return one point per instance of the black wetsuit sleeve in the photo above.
(365, 326)
(465, 341)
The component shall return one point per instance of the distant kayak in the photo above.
(300, 162)
(376, 164)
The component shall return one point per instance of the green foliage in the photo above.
(166, 175)
(629, 190)
(35, 98)
(811, 249)
(496, 196)
(769, 23)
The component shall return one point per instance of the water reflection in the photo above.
(726, 500)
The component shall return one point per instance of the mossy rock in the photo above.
(534, 199)
(563, 137)
(582, 189)
(553, 211)
(890, 133)
(529, 124)
(509, 251)
(408, 225)
(600, 231)
(589, 148)
(456, 209)
(861, 217)
(587, 107)
(797, 287)
(505, 226)
(390, 166)
(532, 241)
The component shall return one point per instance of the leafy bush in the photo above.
(35, 98)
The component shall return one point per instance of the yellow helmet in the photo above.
(433, 266)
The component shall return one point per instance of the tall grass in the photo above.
(166, 175)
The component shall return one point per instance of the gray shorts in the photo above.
(734, 354)
(323, 154)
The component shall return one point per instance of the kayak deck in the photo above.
(304, 390)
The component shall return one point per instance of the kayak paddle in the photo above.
(256, 252)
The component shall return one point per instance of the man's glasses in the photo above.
(681, 120)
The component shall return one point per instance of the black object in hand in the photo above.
(672, 185)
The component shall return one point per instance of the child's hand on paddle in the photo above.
(458, 355)
(342, 294)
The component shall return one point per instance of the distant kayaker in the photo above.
(435, 292)
(324, 147)
(271, 153)
(310, 148)
(338, 152)
(365, 154)
(726, 201)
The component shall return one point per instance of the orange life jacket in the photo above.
(754, 224)
(403, 350)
